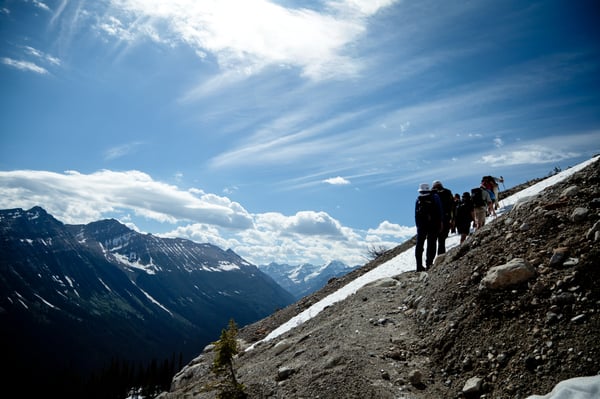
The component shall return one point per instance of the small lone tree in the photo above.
(376, 252)
(225, 350)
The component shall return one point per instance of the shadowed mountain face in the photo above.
(75, 297)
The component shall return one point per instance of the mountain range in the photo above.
(304, 279)
(76, 297)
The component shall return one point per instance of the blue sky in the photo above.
(288, 131)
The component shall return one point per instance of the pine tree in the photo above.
(225, 350)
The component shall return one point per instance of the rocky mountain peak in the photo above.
(24, 223)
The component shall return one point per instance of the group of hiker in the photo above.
(438, 213)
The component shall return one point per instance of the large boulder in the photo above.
(514, 272)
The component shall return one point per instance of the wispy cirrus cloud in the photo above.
(528, 154)
(42, 56)
(32, 66)
(122, 150)
(24, 65)
(295, 136)
(549, 149)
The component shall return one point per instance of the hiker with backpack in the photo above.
(428, 219)
(487, 185)
(481, 204)
(464, 216)
(491, 184)
(447, 200)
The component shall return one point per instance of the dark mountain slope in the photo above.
(74, 298)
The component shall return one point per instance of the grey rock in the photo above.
(472, 386)
(570, 191)
(281, 346)
(514, 272)
(284, 373)
(579, 214)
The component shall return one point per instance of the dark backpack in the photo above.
(477, 197)
(447, 203)
(464, 208)
(425, 210)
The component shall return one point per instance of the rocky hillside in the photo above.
(508, 314)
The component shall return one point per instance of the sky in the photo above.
(583, 387)
(288, 131)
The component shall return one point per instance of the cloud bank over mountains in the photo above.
(76, 198)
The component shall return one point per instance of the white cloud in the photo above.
(79, 198)
(307, 236)
(337, 181)
(30, 66)
(42, 56)
(528, 154)
(230, 190)
(41, 5)
(113, 27)
(24, 65)
(387, 228)
(200, 232)
(314, 223)
(246, 36)
(364, 7)
(387, 235)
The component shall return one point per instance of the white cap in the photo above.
(424, 187)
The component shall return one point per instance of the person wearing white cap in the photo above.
(428, 218)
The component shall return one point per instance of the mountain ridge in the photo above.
(74, 297)
(304, 279)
